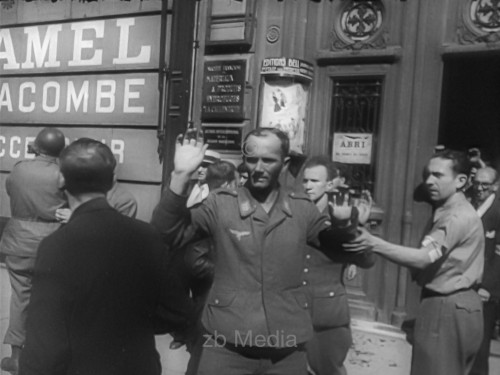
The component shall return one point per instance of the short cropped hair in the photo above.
(219, 173)
(331, 169)
(459, 160)
(265, 132)
(242, 168)
(87, 166)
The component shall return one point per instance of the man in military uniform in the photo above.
(34, 198)
(256, 316)
(448, 266)
(332, 338)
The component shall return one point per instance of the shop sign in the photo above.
(352, 148)
(125, 99)
(136, 159)
(287, 66)
(223, 90)
(111, 44)
(222, 138)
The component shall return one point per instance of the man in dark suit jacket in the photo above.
(96, 283)
(487, 204)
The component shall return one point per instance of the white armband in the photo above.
(433, 247)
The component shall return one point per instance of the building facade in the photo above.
(375, 84)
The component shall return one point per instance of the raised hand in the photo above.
(189, 152)
(340, 207)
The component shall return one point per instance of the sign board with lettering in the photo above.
(133, 148)
(223, 90)
(123, 99)
(223, 137)
(352, 148)
(111, 44)
(287, 66)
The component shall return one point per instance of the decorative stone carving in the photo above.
(359, 26)
(273, 34)
(481, 22)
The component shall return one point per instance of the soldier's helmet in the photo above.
(50, 141)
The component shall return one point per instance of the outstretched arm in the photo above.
(402, 255)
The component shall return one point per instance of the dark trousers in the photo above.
(217, 359)
(20, 273)
(491, 312)
(327, 350)
(448, 334)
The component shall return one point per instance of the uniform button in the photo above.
(216, 301)
(304, 282)
(308, 256)
(306, 305)
(331, 294)
(306, 270)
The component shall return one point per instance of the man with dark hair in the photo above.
(332, 339)
(242, 174)
(256, 316)
(448, 266)
(118, 197)
(96, 283)
(34, 199)
(487, 205)
(220, 174)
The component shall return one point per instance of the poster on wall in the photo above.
(352, 148)
(284, 97)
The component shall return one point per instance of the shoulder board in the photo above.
(295, 195)
(226, 191)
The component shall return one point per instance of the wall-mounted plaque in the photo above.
(223, 90)
(352, 148)
(223, 137)
(230, 26)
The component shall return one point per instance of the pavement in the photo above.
(378, 349)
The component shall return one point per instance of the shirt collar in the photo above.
(247, 204)
(481, 210)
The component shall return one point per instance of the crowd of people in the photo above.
(243, 267)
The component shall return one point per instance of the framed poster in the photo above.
(284, 97)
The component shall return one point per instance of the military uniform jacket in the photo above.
(257, 297)
(330, 305)
(33, 188)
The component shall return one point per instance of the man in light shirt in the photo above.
(448, 265)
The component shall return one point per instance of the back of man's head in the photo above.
(87, 166)
(49, 141)
(219, 173)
